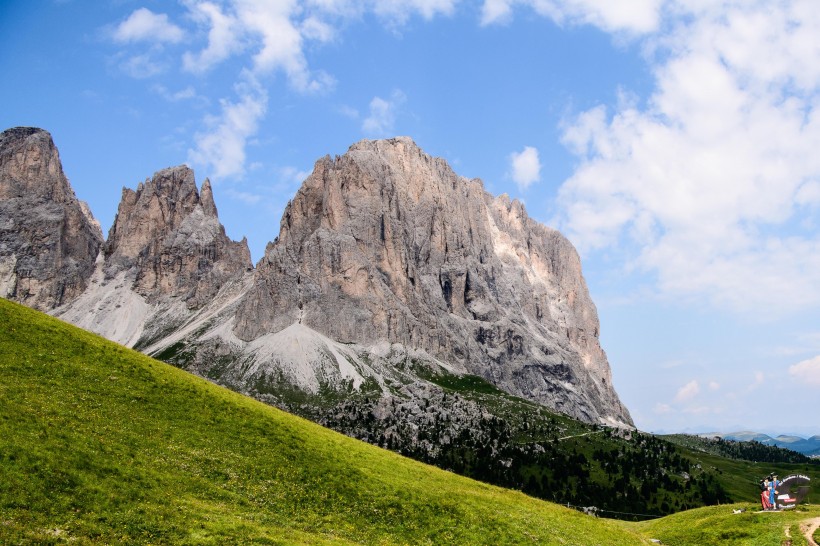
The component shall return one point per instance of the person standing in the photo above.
(765, 493)
(773, 483)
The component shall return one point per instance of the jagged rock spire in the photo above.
(168, 236)
(48, 238)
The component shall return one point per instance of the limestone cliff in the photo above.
(390, 273)
(169, 238)
(388, 244)
(166, 259)
(48, 238)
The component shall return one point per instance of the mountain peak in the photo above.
(388, 244)
(171, 240)
(398, 141)
(48, 239)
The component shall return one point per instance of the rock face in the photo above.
(166, 258)
(48, 239)
(168, 237)
(388, 244)
(391, 276)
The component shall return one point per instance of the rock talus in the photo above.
(388, 244)
(48, 238)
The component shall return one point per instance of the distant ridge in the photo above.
(807, 446)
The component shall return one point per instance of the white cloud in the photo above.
(392, 12)
(525, 167)
(221, 148)
(496, 11)
(223, 37)
(641, 16)
(271, 32)
(142, 66)
(807, 372)
(759, 381)
(382, 118)
(314, 28)
(398, 11)
(662, 408)
(700, 186)
(145, 25)
(687, 392)
(183, 94)
(294, 175)
(809, 194)
(348, 111)
(243, 196)
(714, 386)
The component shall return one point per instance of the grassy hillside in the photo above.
(719, 526)
(100, 444)
(740, 476)
(519, 445)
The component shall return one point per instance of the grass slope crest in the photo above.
(100, 444)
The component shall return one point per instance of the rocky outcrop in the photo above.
(168, 238)
(389, 270)
(48, 238)
(388, 244)
(165, 263)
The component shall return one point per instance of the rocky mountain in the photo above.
(167, 238)
(387, 244)
(392, 278)
(166, 257)
(48, 238)
(806, 446)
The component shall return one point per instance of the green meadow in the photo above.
(719, 526)
(100, 444)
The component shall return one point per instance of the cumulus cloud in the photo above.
(687, 392)
(807, 372)
(268, 38)
(221, 148)
(525, 167)
(382, 117)
(223, 37)
(269, 32)
(640, 17)
(710, 185)
(145, 25)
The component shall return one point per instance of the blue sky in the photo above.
(673, 141)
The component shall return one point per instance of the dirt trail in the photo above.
(579, 435)
(809, 527)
